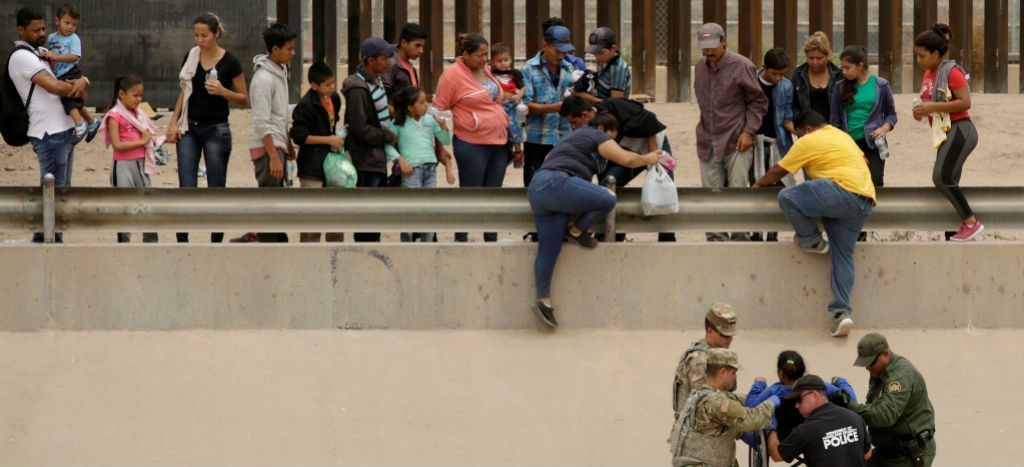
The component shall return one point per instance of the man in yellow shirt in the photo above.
(838, 190)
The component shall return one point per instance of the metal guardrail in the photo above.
(448, 209)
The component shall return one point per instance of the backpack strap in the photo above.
(32, 88)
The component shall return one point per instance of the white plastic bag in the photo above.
(659, 195)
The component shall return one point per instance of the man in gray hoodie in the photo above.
(269, 145)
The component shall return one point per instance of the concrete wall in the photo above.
(478, 286)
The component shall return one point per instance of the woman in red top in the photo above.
(947, 111)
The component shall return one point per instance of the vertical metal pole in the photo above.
(432, 61)
(785, 27)
(750, 31)
(961, 21)
(609, 13)
(536, 13)
(360, 27)
(997, 41)
(925, 13)
(396, 15)
(715, 12)
(821, 17)
(679, 43)
(290, 13)
(468, 19)
(49, 209)
(609, 221)
(644, 49)
(855, 23)
(574, 12)
(890, 43)
(503, 24)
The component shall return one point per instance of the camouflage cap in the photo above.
(723, 318)
(869, 347)
(723, 357)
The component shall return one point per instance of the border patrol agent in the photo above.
(719, 329)
(897, 411)
(713, 417)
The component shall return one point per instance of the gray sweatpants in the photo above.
(131, 174)
(949, 163)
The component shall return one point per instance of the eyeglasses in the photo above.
(873, 362)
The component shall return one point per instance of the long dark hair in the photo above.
(124, 83)
(935, 39)
(856, 55)
(403, 100)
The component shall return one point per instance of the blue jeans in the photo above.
(554, 195)
(56, 154)
(423, 176)
(368, 179)
(480, 165)
(212, 142)
(843, 214)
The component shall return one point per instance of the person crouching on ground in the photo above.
(562, 186)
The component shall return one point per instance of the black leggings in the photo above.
(949, 162)
(875, 163)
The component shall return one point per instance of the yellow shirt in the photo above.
(830, 153)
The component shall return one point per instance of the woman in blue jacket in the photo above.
(790, 367)
(862, 105)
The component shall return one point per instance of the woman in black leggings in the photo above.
(945, 100)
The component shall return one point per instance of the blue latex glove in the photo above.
(749, 438)
(775, 400)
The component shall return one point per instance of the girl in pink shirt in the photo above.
(131, 134)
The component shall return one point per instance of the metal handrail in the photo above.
(452, 209)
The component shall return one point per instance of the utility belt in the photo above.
(908, 446)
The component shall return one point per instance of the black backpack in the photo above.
(14, 112)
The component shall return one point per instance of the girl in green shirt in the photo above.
(863, 106)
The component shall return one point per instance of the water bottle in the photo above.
(916, 102)
(212, 75)
(521, 110)
(883, 148)
(342, 132)
(289, 172)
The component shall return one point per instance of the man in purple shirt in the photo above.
(731, 107)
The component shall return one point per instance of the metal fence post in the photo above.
(609, 221)
(49, 216)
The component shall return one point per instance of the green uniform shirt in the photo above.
(897, 405)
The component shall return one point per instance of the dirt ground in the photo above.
(995, 162)
(459, 398)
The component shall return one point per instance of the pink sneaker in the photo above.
(967, 233)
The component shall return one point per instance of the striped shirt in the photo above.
(538, 88)
(380, 98)
(614, 76)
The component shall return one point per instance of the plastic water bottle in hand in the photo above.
(667, 161)
(289, 173)
(521, 110)
(883, 148)
(212, 75)
(440, 115)
(342, 132)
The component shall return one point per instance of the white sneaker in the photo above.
(842, 324)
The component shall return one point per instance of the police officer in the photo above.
(713, 416)
(829, 435)
(719, 329)
(897, 411)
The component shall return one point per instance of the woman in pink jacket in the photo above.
(480, 124)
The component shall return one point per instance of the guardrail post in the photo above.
(609, 221)
(49, 215)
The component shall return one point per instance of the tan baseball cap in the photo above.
(723, 357)
(723, 318)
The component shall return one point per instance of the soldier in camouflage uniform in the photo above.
(898, 412)
(719, 329)
(713, 417)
